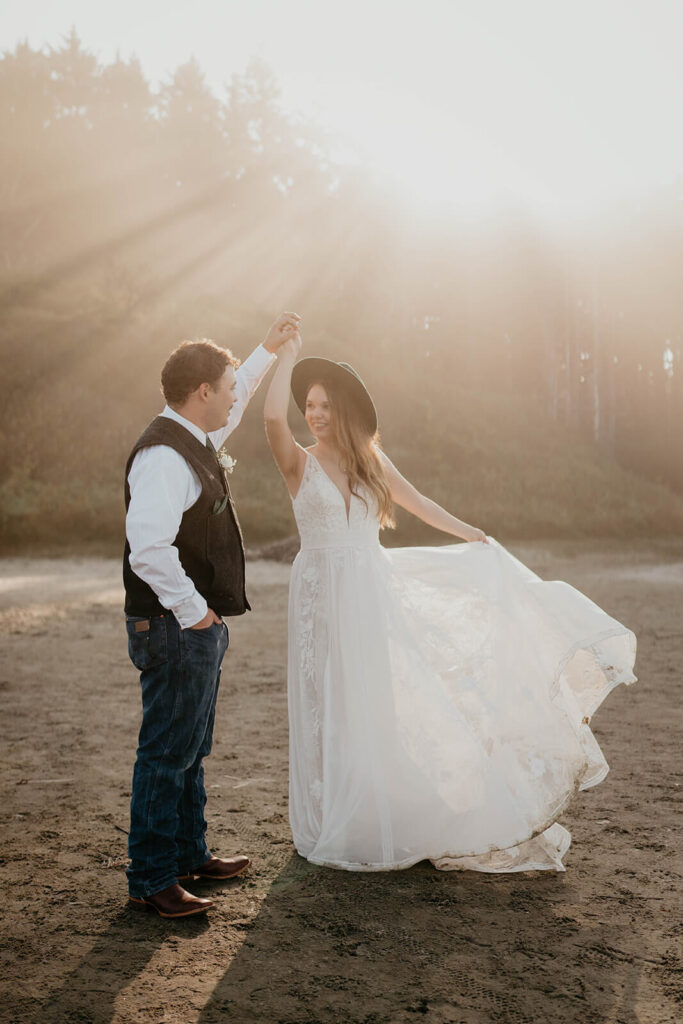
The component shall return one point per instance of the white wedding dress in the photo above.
(439, 697)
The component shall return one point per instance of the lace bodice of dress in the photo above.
(320, 512)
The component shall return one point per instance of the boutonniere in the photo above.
(225, 461)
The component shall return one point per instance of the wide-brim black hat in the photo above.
(314, 368)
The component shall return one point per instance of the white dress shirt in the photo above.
(163, 486)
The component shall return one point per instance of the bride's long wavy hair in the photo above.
(359, 459)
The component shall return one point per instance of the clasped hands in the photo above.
(284, 331)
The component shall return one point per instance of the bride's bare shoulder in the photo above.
(383, 457)
(394, 477)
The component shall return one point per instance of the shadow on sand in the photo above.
(330, 946)
(333, 946)
(120, 954)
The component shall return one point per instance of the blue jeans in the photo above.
(180, 670)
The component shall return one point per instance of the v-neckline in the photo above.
(347, 508)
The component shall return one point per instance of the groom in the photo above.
(183, 568)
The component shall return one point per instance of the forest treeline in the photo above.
(529, 377)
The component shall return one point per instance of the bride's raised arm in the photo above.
(289, 456)
(409, 498)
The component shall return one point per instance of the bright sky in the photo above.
(561, 104)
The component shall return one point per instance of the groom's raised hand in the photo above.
(285, 327)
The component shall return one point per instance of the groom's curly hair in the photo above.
(191, 364)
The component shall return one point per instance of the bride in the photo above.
(439, 697)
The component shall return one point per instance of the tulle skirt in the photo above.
(439, 706)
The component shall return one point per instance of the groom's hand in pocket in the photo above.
(208, 620)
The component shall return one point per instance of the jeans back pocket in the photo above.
(147, 641)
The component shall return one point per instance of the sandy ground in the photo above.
(290, 942)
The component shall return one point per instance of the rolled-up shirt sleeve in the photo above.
(248, 376)
(162, 487)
